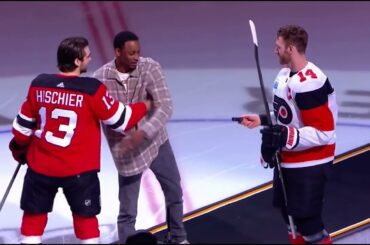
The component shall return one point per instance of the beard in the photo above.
(283, 60)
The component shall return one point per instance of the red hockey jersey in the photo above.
(60, 120)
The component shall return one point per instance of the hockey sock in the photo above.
(298, 236)
(86, 228)
(32, 228)
(326, 240)
(33, 224)
(297, 240)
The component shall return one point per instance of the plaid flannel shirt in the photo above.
(146, 81)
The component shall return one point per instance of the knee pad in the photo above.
(85, 227)
(33, 224)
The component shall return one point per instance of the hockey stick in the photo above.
(269, 121)
(10, 186)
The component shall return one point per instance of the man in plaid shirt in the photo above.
(131, 78)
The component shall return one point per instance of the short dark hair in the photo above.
(294, 35)
(122, 37)
(70, 49)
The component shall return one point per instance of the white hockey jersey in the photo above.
(305, 102)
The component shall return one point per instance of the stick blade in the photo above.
(254, 33)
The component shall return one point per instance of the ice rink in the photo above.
(209, 66)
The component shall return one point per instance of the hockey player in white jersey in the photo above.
(305, 114)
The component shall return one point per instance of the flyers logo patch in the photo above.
(282, 111)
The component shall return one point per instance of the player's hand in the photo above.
(250, 120)
(19, 152)
(275, 136)
(269, 156)
(132, 140)
(278, 136)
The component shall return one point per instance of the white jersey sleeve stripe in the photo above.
(122, 111)
(126, 119)
(116, 116)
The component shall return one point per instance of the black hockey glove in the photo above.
(279, 136)
(274, 137)
(269, 156)
(19, 152)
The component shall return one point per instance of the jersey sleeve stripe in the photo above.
(119, 120)
(126, 117)
(314, 98)
(22, 115)
(25, 131)
(293, 138)
(116, 116)
(25, 121)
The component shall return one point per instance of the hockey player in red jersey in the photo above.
(57, 133)
(305, 114)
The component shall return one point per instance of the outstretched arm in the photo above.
(115, 114)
